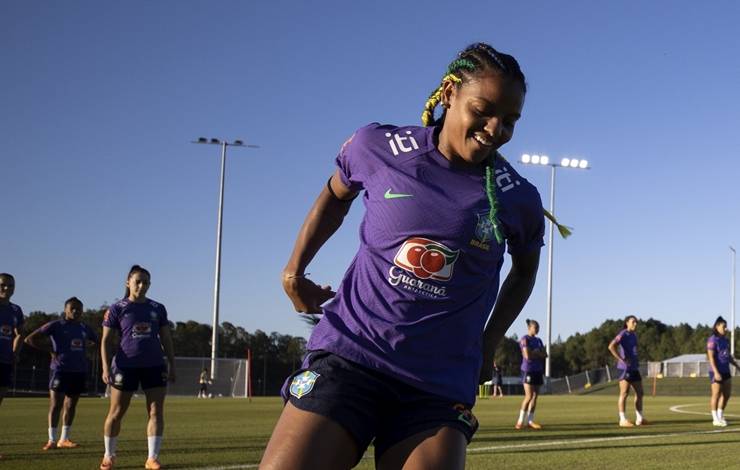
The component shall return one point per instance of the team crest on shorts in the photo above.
(118, 379)
(55, 383)
(303, 384)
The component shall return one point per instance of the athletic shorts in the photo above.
(68, 383)
(725, 377)
(497, 381)
(127, 379)
(204, 387)
(630, 375)
(371, 405)
(6, 375)
(532, 378)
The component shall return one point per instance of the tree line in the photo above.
(275, 355)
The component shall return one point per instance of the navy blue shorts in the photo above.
(127, 379)
(630, 375)
(725, 377)
(532, 378)
(68, 383)
(371, 405)
(6, 375)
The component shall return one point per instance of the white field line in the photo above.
(679, 409)
(560, 442)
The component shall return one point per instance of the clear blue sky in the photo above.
(99, 101)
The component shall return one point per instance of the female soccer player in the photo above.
(718, 352)
(69, 338)
(11, 321)
(400, 350)
(533, 356)
(203, 380)
(628, 364)
(144, 331)
(497, 381)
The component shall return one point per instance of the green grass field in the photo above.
(580, 432)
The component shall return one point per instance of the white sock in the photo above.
(53, 434)
(65, 433)
(720, 414)
(531, 417)
(154, 443)
(638, 414)
(110, 445)
(521, 416)
(715, 416)
(622, 417)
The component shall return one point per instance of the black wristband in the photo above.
(331, 191)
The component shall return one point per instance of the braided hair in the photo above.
(475, 60)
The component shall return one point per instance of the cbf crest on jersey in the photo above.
(303, 383)
(483, 232)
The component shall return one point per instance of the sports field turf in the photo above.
(579, 432)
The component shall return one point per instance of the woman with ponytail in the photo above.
(404, 342)
(624, 348)
(533, 364)
(720, 378)
(144, 339)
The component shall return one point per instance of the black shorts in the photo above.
(371, 405)
(6, 375)
(127, 379)
(725, 377)
(204, 387)
(630, 375)
(68, 383)
(532, 378)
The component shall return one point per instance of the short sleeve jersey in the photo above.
(415, 299)
(532, 343)
(69, 341)
(720, 347)
(11, 318)
(627, 342)
(139, 325)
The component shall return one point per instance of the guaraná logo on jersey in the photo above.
(426, 259)
(6, 331)
(141, 329)
(76, 344)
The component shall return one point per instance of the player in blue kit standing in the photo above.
(11, 321)
(69, 338)
(401, 348)
(533, 357)
(718, 353)
(624, 348)
(144, 333)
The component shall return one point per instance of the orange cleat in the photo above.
(625, 423)
(534, 425)
(152, 464)
(518, 426)
(50, 445)
(108, 463)
(67, 444)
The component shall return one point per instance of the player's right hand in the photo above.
(306, 295)
(717, 377)
(105, 376)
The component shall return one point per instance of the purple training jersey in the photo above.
(11, 318)
(627, 342)
(720, 346)
(69, 340)
(415, 299)
(139, 324)
(532, 343)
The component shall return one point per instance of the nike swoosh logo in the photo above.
(389, 195)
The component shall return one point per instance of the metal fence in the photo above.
(583, 381)
(231, 380)
(681, 369)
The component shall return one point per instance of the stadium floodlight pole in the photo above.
(217, 282)
(732, 304)
(544, 160)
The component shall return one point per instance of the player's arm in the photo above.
(17, 342)
(324, 218)
(40, 341)
(511, 299)
(713, 364)
(613, 349)
(165, 337)
(106, 352)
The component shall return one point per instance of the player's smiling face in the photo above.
(631, 324)
(72, 311)
(480, 117)
(7, 288)
(138, 285)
